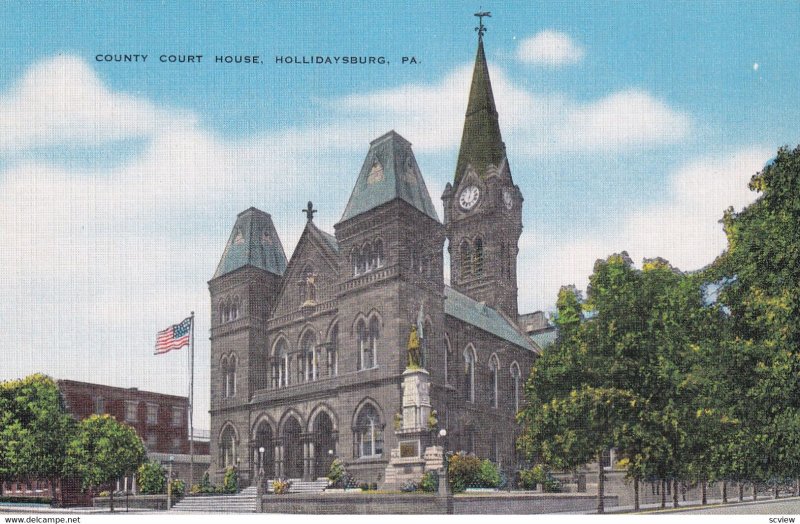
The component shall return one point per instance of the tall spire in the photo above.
(481, 142)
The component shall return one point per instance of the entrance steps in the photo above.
(303, 486)
(246, 501)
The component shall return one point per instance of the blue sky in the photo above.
(629, 125)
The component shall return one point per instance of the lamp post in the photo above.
(169, 482)
(444, 484)
(260, 480)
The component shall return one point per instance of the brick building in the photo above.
(160, 420)
(307, 355)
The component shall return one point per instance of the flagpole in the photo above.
(191, 405)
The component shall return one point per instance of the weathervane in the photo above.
(309, 211)
(482, 28)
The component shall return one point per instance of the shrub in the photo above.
(205, 485)
(336, 473)
(105, 493)
(463, 471)
(538, 474)
(373, 486)
(195, 489)
(178, 487)
(281, 487)
(429, 482)
(151, 478)
(230, 484)
(409, 486)
(364, 486)
(488, 476)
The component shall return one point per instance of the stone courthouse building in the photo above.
(307, 355)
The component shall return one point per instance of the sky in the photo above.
(629, 126)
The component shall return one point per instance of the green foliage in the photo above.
(488, 475)
(34, 428)
(429, 482)
(151, 478)
(468, 471)
(281, 487)
(230, 483)
(178, 487)
(337, 472)
(103, 450)
(539, 476)
(205, 485)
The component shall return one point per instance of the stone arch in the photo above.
(263, 435)
(323, 428)
(494, 380)
(470, 361)
(290, 433)
(331, 363)
(228, 441)
(516, 386)
(368, 425)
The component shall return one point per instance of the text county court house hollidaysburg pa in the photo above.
(308, 355)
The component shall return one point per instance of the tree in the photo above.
(759, 276)
(34, 429)
(104, 450)
(581, 395)
(151, 478)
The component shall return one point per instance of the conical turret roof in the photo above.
(253, 242)
(390, 171)
(481, 142)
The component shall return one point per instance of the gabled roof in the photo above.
(484, 317)
(481, 142)
(390, 171)
(253, 242)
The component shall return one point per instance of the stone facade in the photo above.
(308, 355)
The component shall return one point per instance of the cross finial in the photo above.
(481, 29)
(309, 211)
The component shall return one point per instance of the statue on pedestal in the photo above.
(413, 349)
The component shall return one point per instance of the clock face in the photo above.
(508, 200)
(469, 197)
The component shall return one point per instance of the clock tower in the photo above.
(483, 207)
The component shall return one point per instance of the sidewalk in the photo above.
(695, 504)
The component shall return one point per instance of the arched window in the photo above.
(221, 312)
(368, 342)
(280, 364)
(380, 258)
(477, 257)
(354, 262)
(469, 374)
(308, 348)
(223, 365)
(368, 433)
(235, 308)
(494, 368)
(227, 448)
(232, 375)
(333, 352)
(369, 257)
(515, 377)
(466, 259)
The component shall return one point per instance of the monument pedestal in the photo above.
(414, 455)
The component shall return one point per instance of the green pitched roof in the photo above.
(481, 142)
(390, 171)
(483, 317)
(544, 339)
(253, 242)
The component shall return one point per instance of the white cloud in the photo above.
(683, 227)
(61, 100)
(551, 48)
(431, 116)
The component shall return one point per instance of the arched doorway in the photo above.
(324, 443)
(293, 449)
(264, 462)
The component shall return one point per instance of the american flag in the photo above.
(174, 337)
